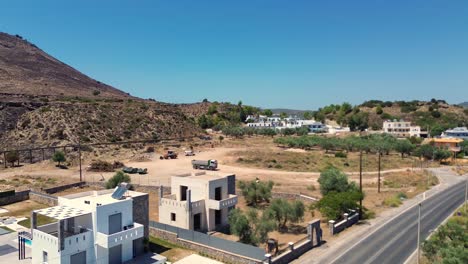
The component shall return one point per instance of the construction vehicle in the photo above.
(169, 155)
(205, 164)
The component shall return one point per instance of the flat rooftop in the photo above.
(101, 197)
(204, 175)
(62, 212)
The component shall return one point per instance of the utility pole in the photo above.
(79, 157)
(360, 183)
(378, 188)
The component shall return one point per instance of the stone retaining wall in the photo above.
(43, 198)
(226, 257)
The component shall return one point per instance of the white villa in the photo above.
(400, 128)
(91, 227)
(200, 201)
(277, 122)
(458, 132)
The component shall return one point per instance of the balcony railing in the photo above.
(218, 205)
(108, 241)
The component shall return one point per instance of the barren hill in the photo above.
(25, 69)
(46, 102)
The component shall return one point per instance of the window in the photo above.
(173, 217)
(183, 193)
(218, 194)
(45, 257)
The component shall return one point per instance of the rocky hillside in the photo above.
(46, 102)
(25, 69)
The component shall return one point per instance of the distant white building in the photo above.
(91, 227)
(200, 201)
(334, 130)
(458, 132)
(400, 128)
(277, 122)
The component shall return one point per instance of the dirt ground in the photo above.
(160, 171)
(397, 178)
(22, 209)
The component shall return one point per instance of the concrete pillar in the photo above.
(291, 246)
(189, 208)
(331, 226)
(346, 216)
(161, 188)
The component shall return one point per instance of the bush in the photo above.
(100, 165)
(392, 201)
(96, 93)
(118, 178)
(59, 157)
(334, 204)
(150, 149)
(334, 180)
(12, 157)
(341, 155)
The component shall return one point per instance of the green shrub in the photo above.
(341, 155)
(118, 178)
(392, 201)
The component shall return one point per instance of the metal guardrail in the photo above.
(214, 242)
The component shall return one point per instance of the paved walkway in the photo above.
(9, 249)
(194, 258)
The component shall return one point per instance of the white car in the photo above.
(189, 153)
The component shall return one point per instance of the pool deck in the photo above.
(9, 249)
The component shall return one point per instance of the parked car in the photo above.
(189, 153)
(143, 171)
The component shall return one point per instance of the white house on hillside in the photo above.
(91, 227)
(199, 201)
(458, 132)
(400, 128)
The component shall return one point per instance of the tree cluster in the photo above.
(256, 192)
(339, 195)
(375, 143)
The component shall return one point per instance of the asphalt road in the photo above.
(395, 241)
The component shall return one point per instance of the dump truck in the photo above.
(169, 155)
(205, 164)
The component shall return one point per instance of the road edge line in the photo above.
(388, 220)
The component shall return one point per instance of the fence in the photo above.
(14, 197)
(349, 220)
(256, 254)
(63, 187)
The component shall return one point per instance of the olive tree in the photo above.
(59, 157)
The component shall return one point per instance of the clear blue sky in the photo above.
(295, 54)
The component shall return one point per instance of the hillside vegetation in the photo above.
(434, 116)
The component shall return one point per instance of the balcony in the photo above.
(108, 241)
(218, 205)
(81, 239)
